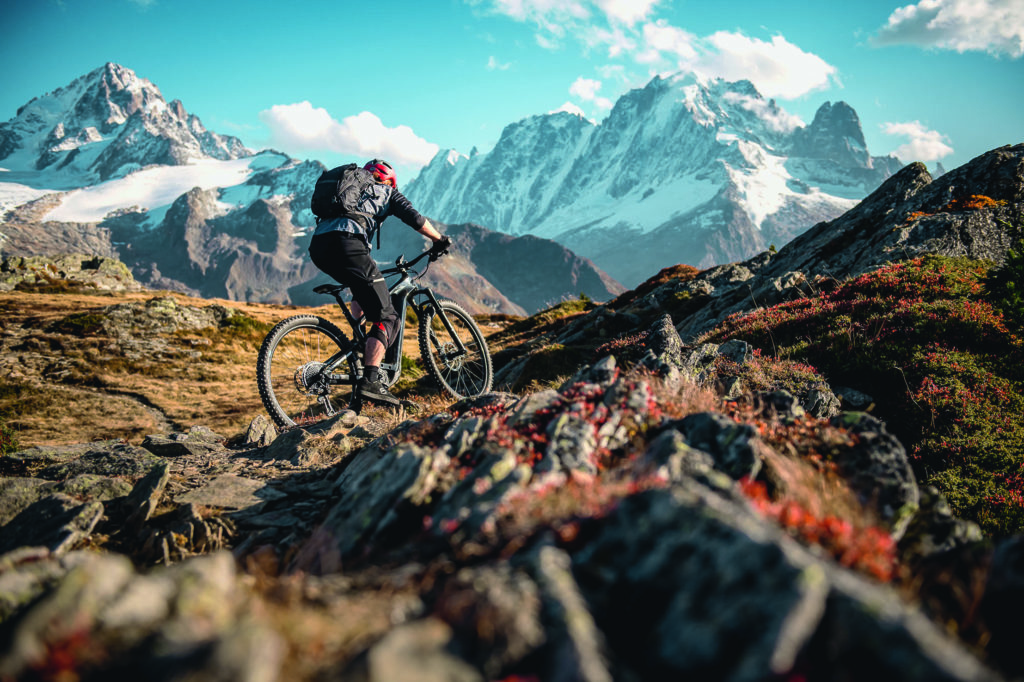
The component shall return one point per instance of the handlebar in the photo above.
(403, 266)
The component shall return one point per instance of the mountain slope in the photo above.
(675, 509)
(682, 170)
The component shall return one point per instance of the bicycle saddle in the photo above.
(334, 289)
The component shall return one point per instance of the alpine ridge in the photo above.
(105, 166)
(683, 170)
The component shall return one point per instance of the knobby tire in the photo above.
(462, 377)
(286, 371)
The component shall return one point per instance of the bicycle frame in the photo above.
(403, 294)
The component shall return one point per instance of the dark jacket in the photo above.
(378, 201)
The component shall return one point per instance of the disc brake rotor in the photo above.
(452, 360)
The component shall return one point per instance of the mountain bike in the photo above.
(308, 367)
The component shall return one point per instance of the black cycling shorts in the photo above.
(346, 257)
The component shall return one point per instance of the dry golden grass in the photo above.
(58, 387)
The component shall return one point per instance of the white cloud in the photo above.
(556, 19)
(777, 119)
(586, 89)
(569, 107)
(777, 68)
(303, 127)
(923, 144)
(663, 41)
(994, 26)
(629, 31)
(627, 12)
(494, 65)
(547, 13)
(615, 40)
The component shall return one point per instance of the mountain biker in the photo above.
(340, 247)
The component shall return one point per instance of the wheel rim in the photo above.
(462, 374)
(300, 389)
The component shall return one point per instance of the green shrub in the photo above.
(1004, 286)
(946, 373)
(8, 440)
(80, 324)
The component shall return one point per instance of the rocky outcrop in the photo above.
(578, 533)
(40, 273)
(972, 211)
(908, 216)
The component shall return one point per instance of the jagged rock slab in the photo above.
(708, 589)
(56, 522)
(229, 491)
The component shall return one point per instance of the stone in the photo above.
(260, 433)
(934, 530)
(229, 491)
(496, 399)
(76, 600)
(601, 373)
(572, 442)
(93, 487)
(105, 458)
(736, 351)
(878, 471)
(527, 408)
(576, 645)
(496, 611)
(664, 343)
(420, 650)
(144, 498)
(319, 444)
(57, 522)
(822, 403)
(18, 493)
(467, 506)
(26, 573)
(733, 447)
(198, 441)
(689, 584)
(699, 363)
(375, 491)
(782, 405)
(676, 460)
(852, 399)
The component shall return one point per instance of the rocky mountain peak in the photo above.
(106, 124)
(683, 169)
(834, 134)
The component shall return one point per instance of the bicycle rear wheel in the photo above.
(289, 371)
(461, 374)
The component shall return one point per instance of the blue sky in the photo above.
(937, 80)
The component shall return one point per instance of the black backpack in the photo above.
(337, 194)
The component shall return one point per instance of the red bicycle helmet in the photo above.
(382, 172)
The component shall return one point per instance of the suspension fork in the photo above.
(446, 322)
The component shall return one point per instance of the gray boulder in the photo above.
(878, 471)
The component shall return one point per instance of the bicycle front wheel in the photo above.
(290, 371)
(462, 373)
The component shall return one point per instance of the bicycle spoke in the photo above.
(461, 373)
(293, 384)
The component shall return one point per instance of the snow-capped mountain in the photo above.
(106, 166)
(104, 125)
(683, 170)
